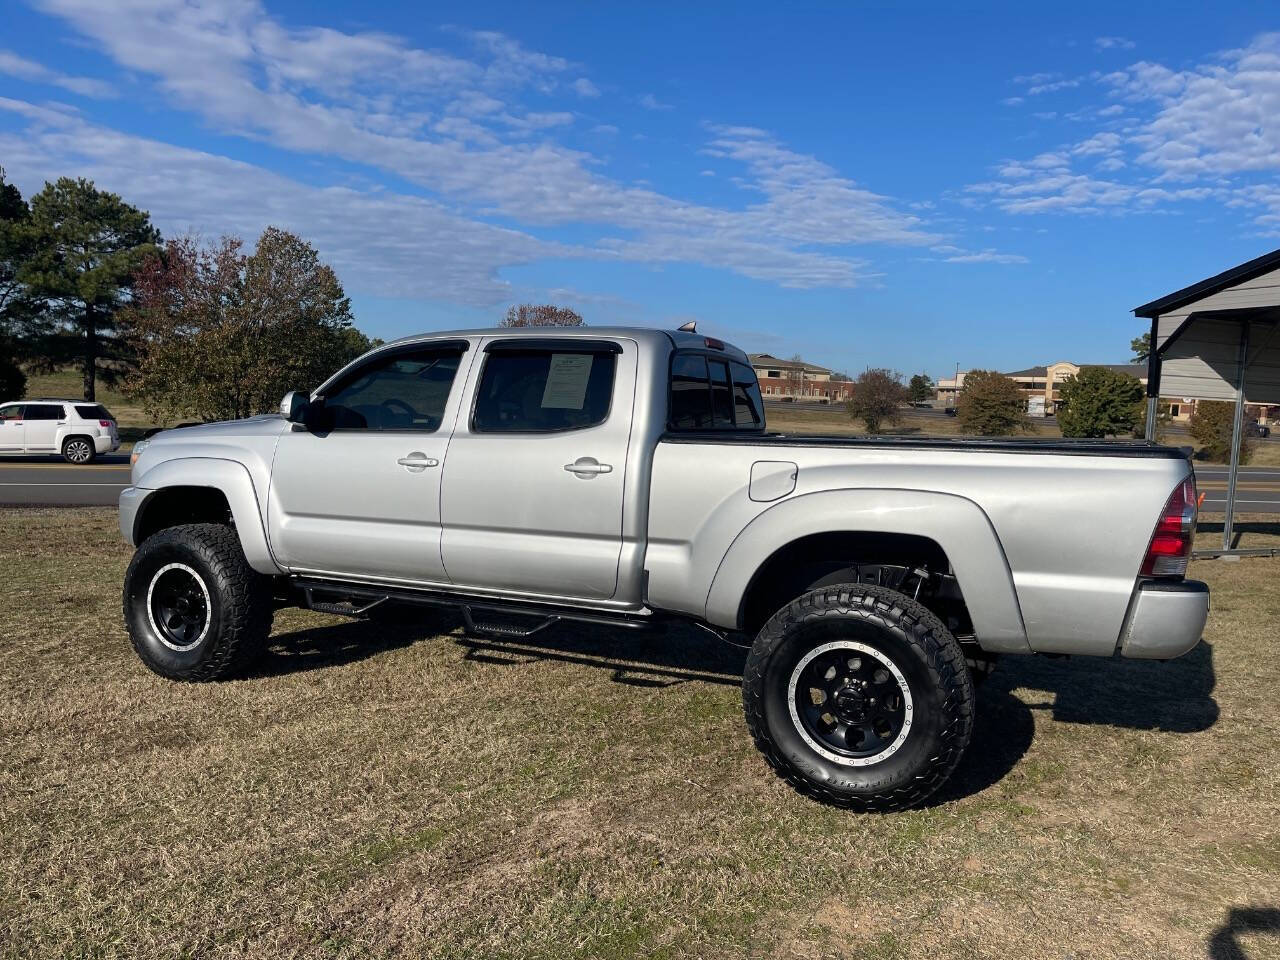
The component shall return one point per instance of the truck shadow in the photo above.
(1249, 921)
(1173, 697)
(1210, 532)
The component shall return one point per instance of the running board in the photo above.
(508, 631)
(475, 610)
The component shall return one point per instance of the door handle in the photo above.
(417, 462)
(587, 467)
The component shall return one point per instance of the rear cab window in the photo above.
(529, 386)
(711, 392)
(43, 411)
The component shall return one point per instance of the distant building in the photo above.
(798, 381)
(1042, 386)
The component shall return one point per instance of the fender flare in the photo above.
(956, 524)
(232, 480)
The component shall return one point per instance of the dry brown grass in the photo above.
(379, 793)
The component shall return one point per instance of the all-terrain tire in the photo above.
(227, 611)
(932, 684)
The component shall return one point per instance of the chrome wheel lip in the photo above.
(151, 615)
(78, 451)
(880, 657)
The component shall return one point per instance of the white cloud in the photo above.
(585, 88)
(476, 134)
(1113, 43)
(15, 66)
(987, 256)
(380, 242)
(650, 102)
(1208, 132)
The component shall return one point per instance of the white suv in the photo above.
(77, 429)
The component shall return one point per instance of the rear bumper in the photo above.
(106, 444)
(1165, 620)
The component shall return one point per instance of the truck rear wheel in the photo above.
(194, 607)
(859, 696)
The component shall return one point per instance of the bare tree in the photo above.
(543, 315)
(793, 377)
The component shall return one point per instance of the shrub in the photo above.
(1098, 402)
(1211, 427)
(991, 405)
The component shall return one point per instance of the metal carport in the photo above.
(1218, 339)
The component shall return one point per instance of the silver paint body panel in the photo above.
(1045, 544)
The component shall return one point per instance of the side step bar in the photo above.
(480, 614)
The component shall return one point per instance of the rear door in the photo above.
(359, 495)
(13, 430)
(533, 491)
(43, 421)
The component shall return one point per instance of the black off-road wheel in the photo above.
(860, 697)
(194, 608)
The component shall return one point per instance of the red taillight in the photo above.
(105, 423)
(1170, 548)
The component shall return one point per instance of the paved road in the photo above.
(1257, 491)
(49, 481)
(34, 481)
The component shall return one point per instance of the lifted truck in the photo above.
(623, 476)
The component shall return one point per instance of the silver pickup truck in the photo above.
(625, 476)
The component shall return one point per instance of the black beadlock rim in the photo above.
(178, 606)
(850, 702)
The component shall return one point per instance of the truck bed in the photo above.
(1046, 445)
(1050, 532)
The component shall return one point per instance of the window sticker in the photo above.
(567, 381)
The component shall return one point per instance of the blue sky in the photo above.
(876, 185)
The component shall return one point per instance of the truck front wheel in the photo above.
(194, 607)
(859, 696)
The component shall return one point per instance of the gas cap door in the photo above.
(772, 479)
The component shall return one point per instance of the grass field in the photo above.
(376, 793)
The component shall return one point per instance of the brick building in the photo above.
(798, 381)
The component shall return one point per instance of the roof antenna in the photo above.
(690, 327)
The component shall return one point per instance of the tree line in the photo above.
(188, 328)
(1095, 403)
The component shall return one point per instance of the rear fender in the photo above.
(956, 524)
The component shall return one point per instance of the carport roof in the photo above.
(1205, 288)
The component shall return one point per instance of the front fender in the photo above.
(956, 524)
(232, 479)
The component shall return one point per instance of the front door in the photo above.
(43, 421)
(533, 490)
(13, 429)
(358, 494)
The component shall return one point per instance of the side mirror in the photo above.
(295, 406)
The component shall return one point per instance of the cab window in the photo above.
(11, 413)
(42, 411)
(534, 389)
(401, 391)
